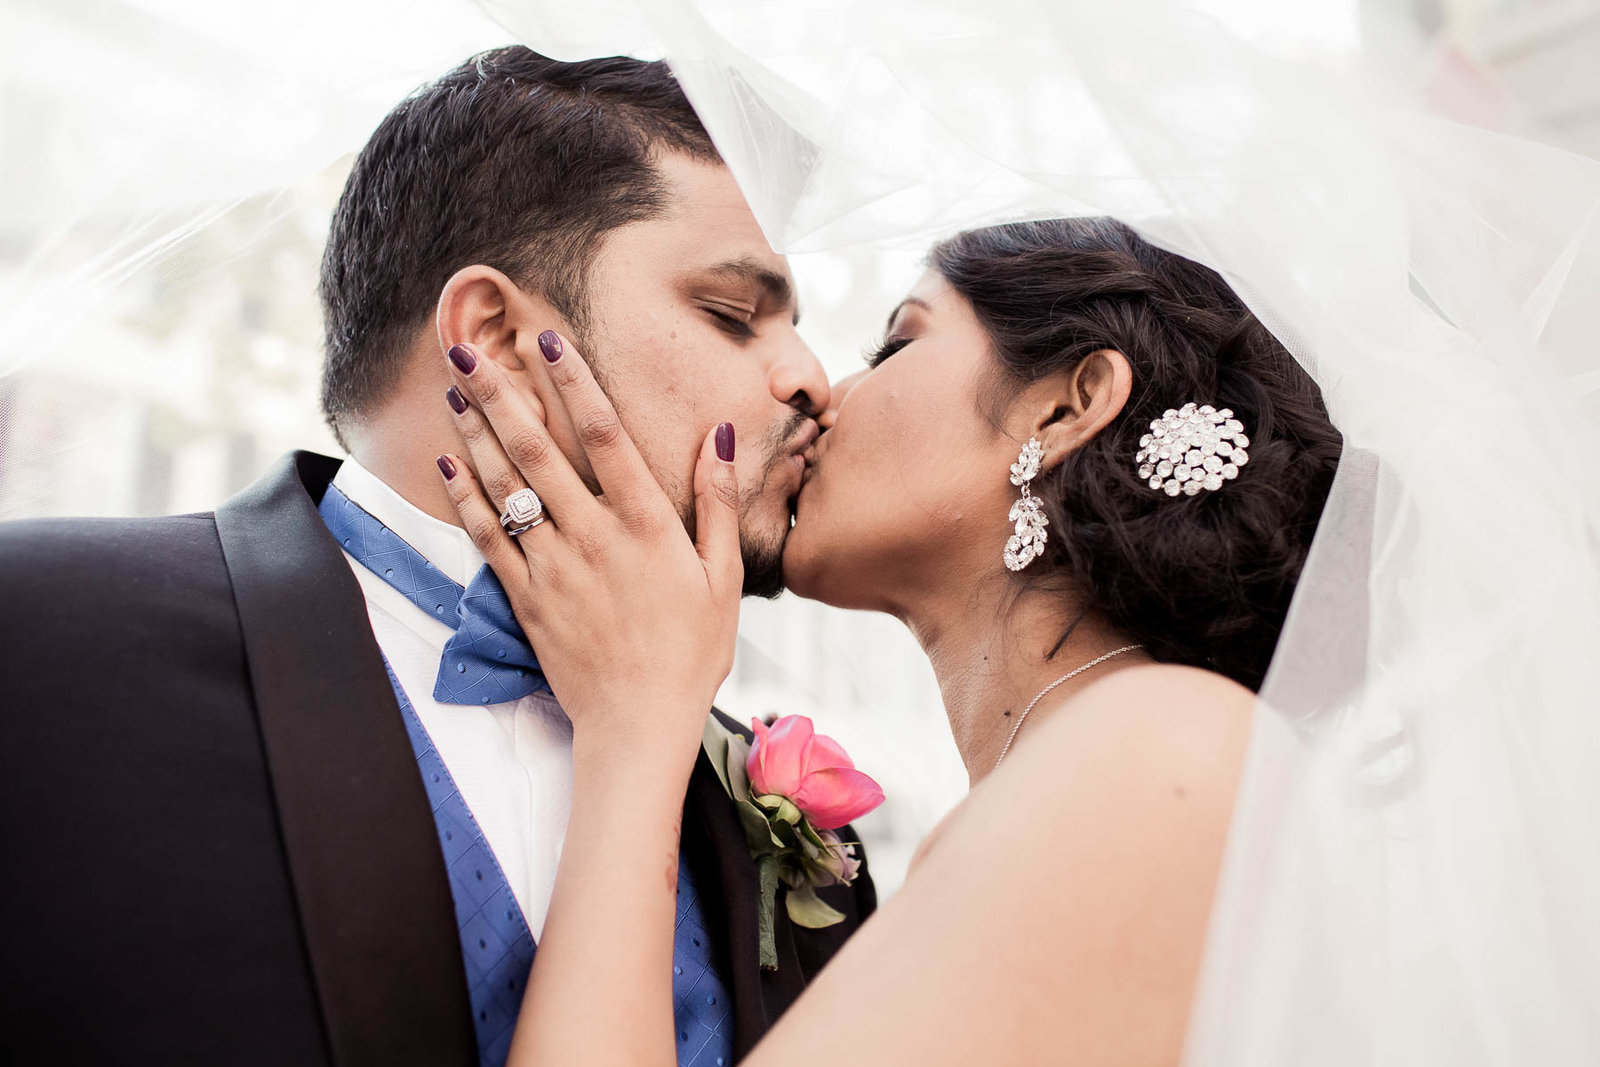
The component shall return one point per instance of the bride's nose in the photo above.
(836, 397)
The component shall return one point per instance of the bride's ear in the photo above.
(486, 309)
(1069, 409)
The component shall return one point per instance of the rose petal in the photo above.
(839, 858)
(824, 752)
(830, 798)
(776, 763)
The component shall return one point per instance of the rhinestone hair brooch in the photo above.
(1192, 448)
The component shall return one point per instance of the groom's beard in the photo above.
(763, 565)
(762, 549)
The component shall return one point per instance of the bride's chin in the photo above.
(799, 576)
(812, 553)
(802, 563)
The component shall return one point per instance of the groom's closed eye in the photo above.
(745, 283)
(734, 317)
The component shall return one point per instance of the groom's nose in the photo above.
(798, 380)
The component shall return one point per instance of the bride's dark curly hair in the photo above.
(1203, 580)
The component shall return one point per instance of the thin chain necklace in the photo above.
(1046, 690)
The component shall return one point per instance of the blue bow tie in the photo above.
(487, 660)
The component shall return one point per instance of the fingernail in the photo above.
(463, 358)
(447, 467)
(458, 403)
(725, 442)
(550, 345)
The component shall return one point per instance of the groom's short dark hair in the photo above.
(513, 160)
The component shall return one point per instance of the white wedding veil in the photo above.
(1413, 869)
(1414, 864)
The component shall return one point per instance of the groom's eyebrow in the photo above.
(776, 286)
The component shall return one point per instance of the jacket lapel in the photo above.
(368, 875)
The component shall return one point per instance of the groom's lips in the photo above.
(800, 450)
(812, 456)
(808, 437)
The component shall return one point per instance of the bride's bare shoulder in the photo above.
(1068, 895)
(1140, 731)
(1158, 688)
(1160, 734)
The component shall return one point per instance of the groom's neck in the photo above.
(401, 445)
(419, 482)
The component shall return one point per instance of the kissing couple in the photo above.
(407, 758)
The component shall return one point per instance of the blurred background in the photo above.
(158, 353)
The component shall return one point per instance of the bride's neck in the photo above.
(993, 653)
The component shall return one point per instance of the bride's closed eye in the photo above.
(885, 350)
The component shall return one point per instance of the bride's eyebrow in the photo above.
(910, 301)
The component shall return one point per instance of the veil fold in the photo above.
(1416, 847)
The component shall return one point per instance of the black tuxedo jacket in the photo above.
(215, 842)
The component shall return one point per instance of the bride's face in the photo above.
(908, 485)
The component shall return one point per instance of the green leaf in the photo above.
(810, 834)
(715, 740)
(815, 871)
(736, 766)
(782, 808)
(757, 829)
(809, 910)
(791, 872)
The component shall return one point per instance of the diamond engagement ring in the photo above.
(524, 511)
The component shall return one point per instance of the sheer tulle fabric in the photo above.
(1417, 845)
(1416, 850)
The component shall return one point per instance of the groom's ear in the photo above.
(486, 309)
(1067, 410)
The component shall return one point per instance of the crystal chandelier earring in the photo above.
(1027, 543)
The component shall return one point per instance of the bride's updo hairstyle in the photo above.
(1203, 580)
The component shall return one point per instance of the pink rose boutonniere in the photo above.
(793, 788)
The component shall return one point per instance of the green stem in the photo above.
(766, 909)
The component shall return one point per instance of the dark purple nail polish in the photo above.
(463, 358)
(458, 403)
(725, 442)
(550, 345)
(447, 467)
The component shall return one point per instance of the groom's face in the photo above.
(692, 323)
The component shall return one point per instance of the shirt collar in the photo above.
(447, 547)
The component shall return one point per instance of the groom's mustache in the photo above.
(791, 438)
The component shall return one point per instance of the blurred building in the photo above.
(1529, 66)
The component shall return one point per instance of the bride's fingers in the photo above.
(716, 513)
(624, 478)
(509, 445)
(480, 517)
(497, 475)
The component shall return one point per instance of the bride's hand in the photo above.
(633, 623)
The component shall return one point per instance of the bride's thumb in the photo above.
(716, 511)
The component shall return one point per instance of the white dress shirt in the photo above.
(512, 762)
